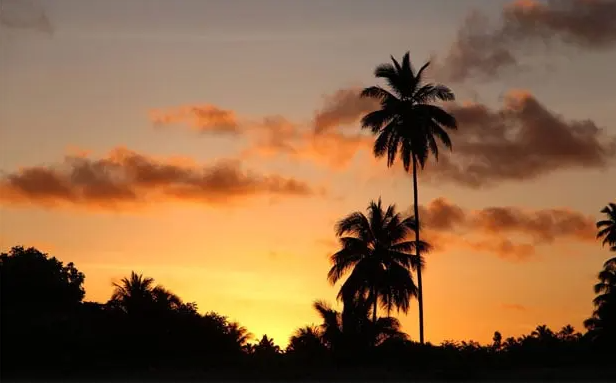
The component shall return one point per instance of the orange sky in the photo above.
(213, 147)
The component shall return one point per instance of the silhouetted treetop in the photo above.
(31, 280)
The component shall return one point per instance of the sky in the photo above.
(212, 145)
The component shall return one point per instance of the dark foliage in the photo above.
(145, 331)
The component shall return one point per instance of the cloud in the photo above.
(494, 229)
(23, 14)
(343, 107)
(202, 118)
(125, 178)
(514, 307)
(485, 51)
(522, 140)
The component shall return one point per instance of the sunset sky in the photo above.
(213, 144)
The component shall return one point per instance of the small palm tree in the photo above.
(307, 339)
(133, 294)
(411, 124)
(165, 299)
(331, 329)
(607, 228)
(376, 251)
(353, 329)
(239, 334)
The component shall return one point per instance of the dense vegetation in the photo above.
(145, 330)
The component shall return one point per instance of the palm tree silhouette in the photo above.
(607, 228)
(133, 294)
(306, 339)
(409, 122)
(602, 324)
(376, 249)
(165, 299)
(352, 329)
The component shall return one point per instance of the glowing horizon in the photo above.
(215, 152)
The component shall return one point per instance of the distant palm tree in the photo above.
(376, 251)
(266, 347)
(239, 334)
(165, 299)
(602, 324)
(410, 123)
(607, 228)
(542, 333)
(568, 333)
(306, 339)
(133, 294)
(331, 329)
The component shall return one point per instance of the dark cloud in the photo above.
(490, 229)
(343, 107)
(522, 140)
(24, 14)
(484, 51)
(125, 178)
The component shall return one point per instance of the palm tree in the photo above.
(133, 294)
(331, 329)
(602, 324)
(410, 123)
(239, 334)
(165, 299)
(353, 328)
(607, 228)
(307, 339)
(376, 249)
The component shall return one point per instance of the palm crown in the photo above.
(377, 250)
(407, 121)
(607, 227)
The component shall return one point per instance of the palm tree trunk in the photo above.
(374, 307)
(419, 288)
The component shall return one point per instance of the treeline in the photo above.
(144, 330)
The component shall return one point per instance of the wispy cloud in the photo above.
(485, 51)
(125, 178)
(24, 14)
(201, 118)
(493, 229)
(514, 307)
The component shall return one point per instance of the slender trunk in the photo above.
(419, 288)
(374, 305)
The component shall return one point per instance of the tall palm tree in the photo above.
(376, 251)
(410, 123)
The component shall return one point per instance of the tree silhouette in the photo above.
(376, 251)
(352, 330)
(30, 280)
(602, 323)
(409, 123)
(607, 228)
(307, 342)
(134, 294)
